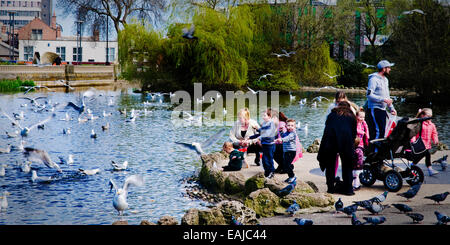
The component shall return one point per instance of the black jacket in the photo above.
(338, 137)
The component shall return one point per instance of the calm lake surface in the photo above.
(147, 144)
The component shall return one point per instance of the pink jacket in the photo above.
(429, 133)
(362, 131)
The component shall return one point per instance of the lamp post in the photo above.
(79, 22)
(11, 35)
(107, 47)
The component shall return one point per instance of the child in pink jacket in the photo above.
(362, 134)
(429, 133)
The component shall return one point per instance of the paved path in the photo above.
(307, 169)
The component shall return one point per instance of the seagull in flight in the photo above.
(265, 76)
(253, 91)
(28, 88)
(33, 100)
(82, 107)
(331, 77)
(367, 65)
(42, 156)
(278, 55)
(189, 34)
(198, 147)
(319, 98)
(120, 196)
(287, 54)
(291, 97)
(66, 84)
(25, 130)
(412, 11)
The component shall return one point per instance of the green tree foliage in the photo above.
(419, 45)
(233, 49)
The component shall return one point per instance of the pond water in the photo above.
(147, 144)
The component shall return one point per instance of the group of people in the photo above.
(348, 130)
(347, 134)
(276, 138)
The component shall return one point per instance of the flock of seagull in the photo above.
(32, 155)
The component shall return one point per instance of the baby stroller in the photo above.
(379, 164)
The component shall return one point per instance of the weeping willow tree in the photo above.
(140, 50)
(218, 57)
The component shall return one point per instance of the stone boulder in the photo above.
(276, 185)
(234, 182)
(263, 202)
(254, 183)
(167, 220)
(307, 200)
(212, 216)
(190, 217)
(237, 209)
(146, 222)
(120, 222)
(212, 177)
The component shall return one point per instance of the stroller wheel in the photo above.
(415, 176)
(393, 181)
(367, 176)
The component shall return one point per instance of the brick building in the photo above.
(39, 37)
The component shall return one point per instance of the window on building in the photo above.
(36, 34)
(28, 52)
(110, 53)
(61, 51)
(75, 54)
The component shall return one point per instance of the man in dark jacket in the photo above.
(338, 138)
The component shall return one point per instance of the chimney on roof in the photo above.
(53, 22)
(96, 35)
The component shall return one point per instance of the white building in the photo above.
(66, 48)
(37, 36)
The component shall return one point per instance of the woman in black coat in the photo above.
(338, 138)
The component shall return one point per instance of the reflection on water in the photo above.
(147, 144)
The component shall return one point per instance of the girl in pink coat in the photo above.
(429, 134)
(362, 134)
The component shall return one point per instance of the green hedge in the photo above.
(8, 85)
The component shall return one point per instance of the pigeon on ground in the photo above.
(380, 198)
(412, 192)
(339, 204)
(376, 208)
(438, 197)
(402, 207)
(234, 221)
(374, 220)
(293, 208)
(349, 209)
(442, 218)
(442, 161)
(287, 190)
(416, 217)
(302, 221)
(364, 204)
(356, 221)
